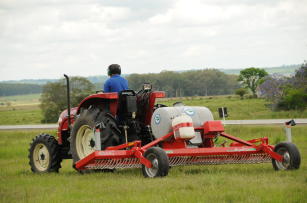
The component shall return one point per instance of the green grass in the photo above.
(20, 100)
(18, 115)
(238, 109)
(224, 183)
(20, 109)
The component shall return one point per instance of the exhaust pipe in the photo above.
(68, 101)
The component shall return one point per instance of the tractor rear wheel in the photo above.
(159, 161)
(291, 155)
(44, 154)
(82, 137)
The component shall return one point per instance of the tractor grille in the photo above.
(220, 159)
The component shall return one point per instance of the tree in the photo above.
(273, 88)
(8, 89)
(188, 83)
(251, 78)
(300, 77)
(241, 92)
(286, 92)
(295, 96)
(54, 99)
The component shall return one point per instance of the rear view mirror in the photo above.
(147, 86)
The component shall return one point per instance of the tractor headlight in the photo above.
(60, 120)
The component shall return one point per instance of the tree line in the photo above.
(8, 89)
(176, 84)
(189, 83)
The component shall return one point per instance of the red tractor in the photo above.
(108, 131)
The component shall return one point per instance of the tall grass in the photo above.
(224, 183)
(20, 99)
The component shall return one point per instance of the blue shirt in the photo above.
(115, 83)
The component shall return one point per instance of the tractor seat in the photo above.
(127, 105)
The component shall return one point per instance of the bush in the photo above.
(293, 99)
(241, 92)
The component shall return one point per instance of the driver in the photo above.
(115, 83)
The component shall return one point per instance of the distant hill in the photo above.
(29, 81)
(32, 86)
(93, 79)
(286, 70)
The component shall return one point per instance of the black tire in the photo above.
(110, 135)
(44, 154)
(291, 154)
(159, 160)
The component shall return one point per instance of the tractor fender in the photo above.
(102, 100)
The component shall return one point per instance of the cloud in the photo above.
(47, 38)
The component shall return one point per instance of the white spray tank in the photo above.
(162, 118)
(183, 127)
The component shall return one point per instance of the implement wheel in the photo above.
(44, 154)
(82, 137)
(291, 155)
(159, 161)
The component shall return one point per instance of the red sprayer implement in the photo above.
(128, 130)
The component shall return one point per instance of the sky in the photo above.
(43, 39)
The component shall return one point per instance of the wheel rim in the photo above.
(285, 164)
(41, 157)
(85, 143)
(152, 172)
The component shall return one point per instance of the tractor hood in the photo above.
(63, 119)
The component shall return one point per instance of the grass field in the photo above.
(25, 112)
(239, 109)
(21, 109)
(20, 100)
(20, 114)
(224, 183)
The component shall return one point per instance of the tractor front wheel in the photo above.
(291, 156)
(44, 154)
(159, 161)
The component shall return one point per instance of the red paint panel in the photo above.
(213, 127)
(181, 125)
(174, 144)
(152, 100)
(111, 96)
